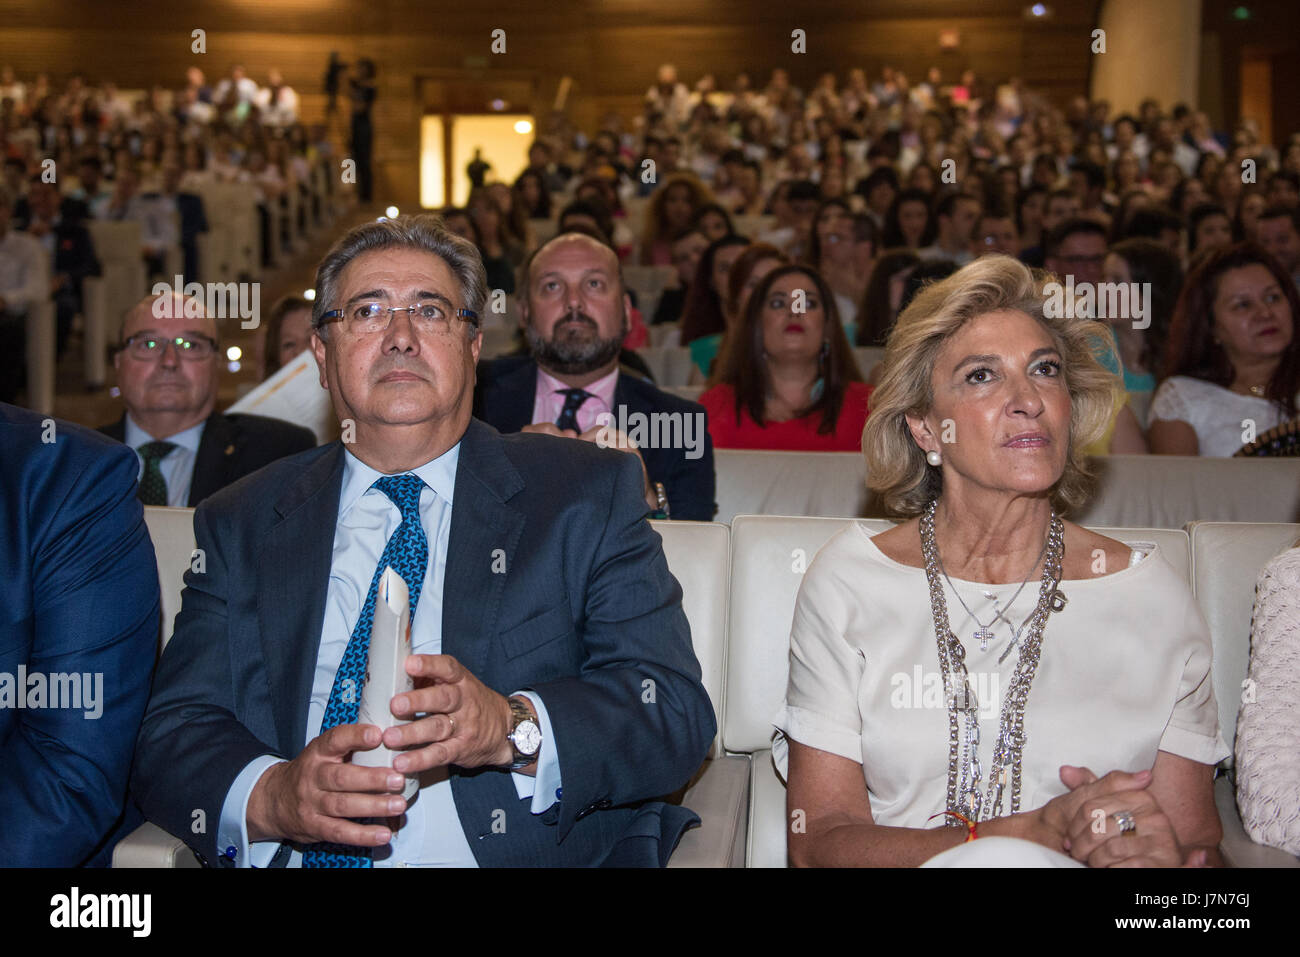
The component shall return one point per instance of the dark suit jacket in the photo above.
(233, 446)
(503, 398)
(78, 593)
(586, 614)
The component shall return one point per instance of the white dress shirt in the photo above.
(431, 834)
(177, 466)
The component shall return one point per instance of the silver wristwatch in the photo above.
(525, 736)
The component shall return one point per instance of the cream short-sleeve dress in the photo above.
(1124, 673)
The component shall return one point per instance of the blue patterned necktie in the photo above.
(408, 552)
(573, 399)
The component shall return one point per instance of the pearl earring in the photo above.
(934, 458)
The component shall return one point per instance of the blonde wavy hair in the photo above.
(896, 465)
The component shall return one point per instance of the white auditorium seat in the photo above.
(1227, 558)
(1169, 491)
(649, 283)
(664, 334)
(670, 366)
(41, 347)
(825, 484)
(769, 554)
(1159, 491)
(172, 532)
(123, 281)
(699, 556)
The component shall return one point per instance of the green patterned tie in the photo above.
(153, 487)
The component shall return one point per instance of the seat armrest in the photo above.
(150, 846)
(720, 796)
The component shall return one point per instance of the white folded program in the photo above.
(390, 644)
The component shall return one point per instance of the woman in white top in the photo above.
(976, 428)
(1233, 359)
(1268, 726)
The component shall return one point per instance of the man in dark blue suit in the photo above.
(556, 693)
(78, 631)
(574, 308)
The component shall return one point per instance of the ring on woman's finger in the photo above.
(453, 724)
(1126, 822)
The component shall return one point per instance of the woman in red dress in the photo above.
(788, 380)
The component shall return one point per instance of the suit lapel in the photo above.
(512, 406)
(296, 556)
(117, 430)
(481, 523)
(213, 460)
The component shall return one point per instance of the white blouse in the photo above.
(1124, 673)
(1216, 414)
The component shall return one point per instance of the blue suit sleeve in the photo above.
(63, 770)
(637, 722)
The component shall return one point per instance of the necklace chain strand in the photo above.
(965, 775)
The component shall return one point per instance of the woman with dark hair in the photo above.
(703, 318)
(670, 211)
(909, 223)
(750, 268)
(789, 378)
(1030, 205)
(1208, 227)
(713, 220)
(501, 256)
(923, 178)
(1250, 207)
(833, 251)
(1190, 192)
(531, 194)
(1233, 356)
(1140, 350)
(883, 299)
(514, 219)
(1130, 201)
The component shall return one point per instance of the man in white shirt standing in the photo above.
(556, 690)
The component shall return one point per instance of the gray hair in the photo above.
(426, 233)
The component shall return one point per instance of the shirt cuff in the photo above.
(544, 787)
(232, 832)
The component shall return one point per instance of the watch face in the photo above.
(527, 737)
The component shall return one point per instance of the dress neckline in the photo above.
(1129, 569)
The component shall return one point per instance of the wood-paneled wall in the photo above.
(610, 48)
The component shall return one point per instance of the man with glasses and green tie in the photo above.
(557, 696)
(167, 364)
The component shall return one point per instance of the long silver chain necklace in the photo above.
(964, 771)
